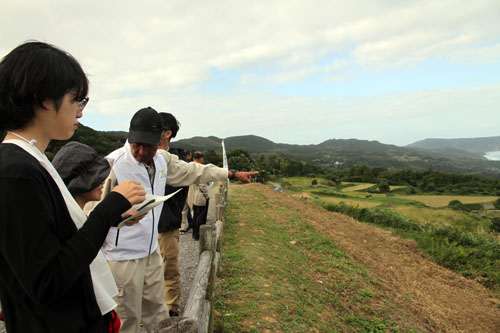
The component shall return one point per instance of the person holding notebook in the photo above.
(53, 277)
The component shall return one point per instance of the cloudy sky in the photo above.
(291, 71)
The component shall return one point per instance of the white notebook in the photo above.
(144, 207)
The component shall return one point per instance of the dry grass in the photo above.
(359, 203)
(458, 219)
(303, 181)
(304, 195)
(356, 187)
(419, 295)
(443, 200)
(282, 275)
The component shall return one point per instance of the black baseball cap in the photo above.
(145, 127)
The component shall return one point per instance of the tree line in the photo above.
(415, 182)
(428, 181)
(268, 165)
(272, 166)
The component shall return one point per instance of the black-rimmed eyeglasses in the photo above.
(83, 103)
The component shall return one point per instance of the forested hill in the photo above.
(350, 152)
(332, 153)
(478, 146)
(103, 142)
(252, 143)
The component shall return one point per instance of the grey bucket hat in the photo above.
(80, 167)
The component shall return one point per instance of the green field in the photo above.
(457, 239)
(461, 220)
(443, 200)
(425, 209)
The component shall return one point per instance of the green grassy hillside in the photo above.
(291, 266)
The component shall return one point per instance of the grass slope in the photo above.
(281, 275)
(290, 266)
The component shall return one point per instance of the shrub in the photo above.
(456, 205)
(410, 190)
(383, 186)
(380, 216)
(495, 224)
(331, 183)
(314, 182)
(497, 203)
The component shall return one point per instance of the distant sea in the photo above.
(493, 155)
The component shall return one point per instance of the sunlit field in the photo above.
(359, 203)
(461, 220)
(443, 200)
(305, 181)
(352, 194)
(357, 187)
(407, 205)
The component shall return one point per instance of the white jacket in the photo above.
(141, 239)
(134, 241)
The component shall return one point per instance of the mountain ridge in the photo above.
(331, 153)
(479, 145)
(349, 152)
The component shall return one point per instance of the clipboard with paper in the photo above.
(144, 207)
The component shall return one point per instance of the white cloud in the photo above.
(337, 65)
(482, 54)
(293, 75)
(160, 53)
(226, 34)
(393, 118)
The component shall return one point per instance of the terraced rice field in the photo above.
(357, 187)
(359, 203)
(461, 220)
(443, 200)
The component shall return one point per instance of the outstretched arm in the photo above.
(181, 173)
(242, 176)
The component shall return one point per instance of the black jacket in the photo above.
(45, 281)
(171, 213)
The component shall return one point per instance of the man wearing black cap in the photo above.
(133, 253)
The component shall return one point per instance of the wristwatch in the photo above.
(233, 174)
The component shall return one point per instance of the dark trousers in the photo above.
(200, 217)
(190, 218)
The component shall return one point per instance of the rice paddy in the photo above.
(443, 200)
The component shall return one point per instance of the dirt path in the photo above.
(431, 297)
(276, 185)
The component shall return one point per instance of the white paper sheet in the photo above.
(144, 207)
